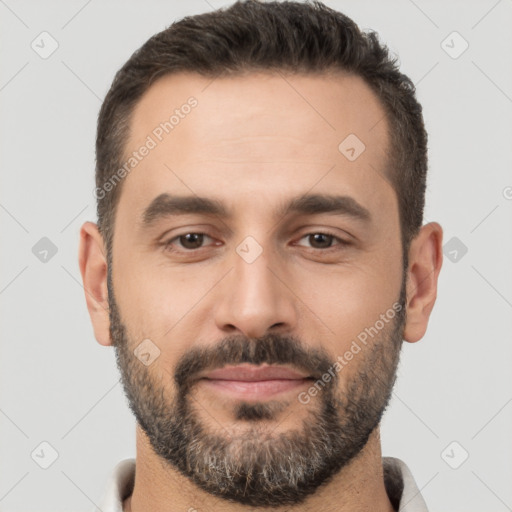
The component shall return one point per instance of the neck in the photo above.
(160, 488)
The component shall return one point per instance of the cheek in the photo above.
(348, 300)
(138, 295)
(156, 301)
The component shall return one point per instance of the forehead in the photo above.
(261, 134)
(264, 103)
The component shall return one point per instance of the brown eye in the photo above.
(320, 240)
(191, 240)
(187, 242)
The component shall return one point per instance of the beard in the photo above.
(254, 466)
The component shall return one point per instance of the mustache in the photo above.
(270, 349)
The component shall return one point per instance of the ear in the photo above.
(93, 267)
(425, 260)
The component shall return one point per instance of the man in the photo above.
(259, 259)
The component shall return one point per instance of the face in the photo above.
(246, 237)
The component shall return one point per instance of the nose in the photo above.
(254, 298)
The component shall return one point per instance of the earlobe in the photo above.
(425, 261)
(93, 267)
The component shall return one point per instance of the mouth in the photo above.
(254, 382)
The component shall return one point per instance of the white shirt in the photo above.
(399, 482)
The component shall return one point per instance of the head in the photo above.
(261, 173)
(251, 36)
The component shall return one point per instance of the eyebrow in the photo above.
(167, 205)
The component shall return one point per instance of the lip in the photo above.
(254, 373)
(254, 382)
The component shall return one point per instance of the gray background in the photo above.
(59, 386)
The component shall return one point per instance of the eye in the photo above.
(187, 241)
(323, 240)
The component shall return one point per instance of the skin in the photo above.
(254, 143)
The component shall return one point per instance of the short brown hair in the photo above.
(252, 35)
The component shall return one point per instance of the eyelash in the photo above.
(341, 243)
